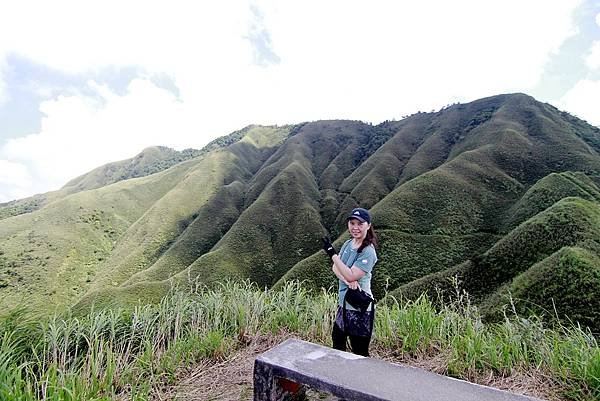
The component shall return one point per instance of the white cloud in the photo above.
(80, 132)
(598, 19)
(593, 59)
(583, 100)
(336, 59)
(386, 58)
(15, 181)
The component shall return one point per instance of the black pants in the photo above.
(359, 345)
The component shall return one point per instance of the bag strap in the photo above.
(350, 267)
(347, 288)
(373, 301)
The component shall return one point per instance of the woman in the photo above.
(353, 267)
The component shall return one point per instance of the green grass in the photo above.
(380, 173)
(21, 206)
(54, 254)
(564, 285)
(548, 264)
(198, 237)
(548, 191)
(463, 196)
(95, 238)
(442, 187)
(158, 229)
(569, 222)
(272, 242)
(134, 353)
(151, 160)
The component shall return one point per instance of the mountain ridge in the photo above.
(443, 188)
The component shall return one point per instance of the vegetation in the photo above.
(17, 207)
(54, 254)
(487, 191)
(151, 160)
(134, 353)
(547, 192)
(536, 264)
(564, 285)
(149, 238)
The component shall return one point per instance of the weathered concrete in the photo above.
(354, 377)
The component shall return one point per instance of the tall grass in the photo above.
(123, 354)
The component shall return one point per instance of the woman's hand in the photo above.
(328, 247)
(354, 285)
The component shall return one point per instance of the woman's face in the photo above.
(358, 229)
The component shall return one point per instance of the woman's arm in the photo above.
(338, 274)
(349, 274)
(352, 284)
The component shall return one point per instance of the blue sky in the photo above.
(86, 83)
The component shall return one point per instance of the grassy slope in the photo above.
(570, 221)
(26, 205)
(426, 219)
(31, 203)
(548, 191)
(50, 256)
(380, 173)
(158, 229)
(75, 241)
(539, 197)
(146, 239)
(151, 160)
(443, 188)
(422, 229)
(138, 166)
(529, 142)
(538, 244)
(270, 236)
(280, 223)
(471, 193)
(566, 284)
(208, 225)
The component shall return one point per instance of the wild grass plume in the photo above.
(133, 354)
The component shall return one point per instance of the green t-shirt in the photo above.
(364, 261)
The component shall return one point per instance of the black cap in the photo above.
(360, 214)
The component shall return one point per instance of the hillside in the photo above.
(543, 243)
(151, 160)
(468, 189)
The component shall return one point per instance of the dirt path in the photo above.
(231, 379)
(227, 380)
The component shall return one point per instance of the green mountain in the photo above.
(151, 160)
(497, 192)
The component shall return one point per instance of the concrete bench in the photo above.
(279, 372)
